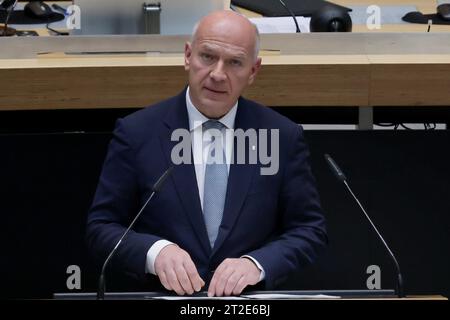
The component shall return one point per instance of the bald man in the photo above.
(221, 226)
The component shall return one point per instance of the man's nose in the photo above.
(218, 72)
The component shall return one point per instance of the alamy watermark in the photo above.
(374, 17)
(251, 147)
(73, 20)
(74, 279)
(373, 282)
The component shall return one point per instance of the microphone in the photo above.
(297, 29)
(156, 188)
(330, 19)
(340, 175)
(8, 6)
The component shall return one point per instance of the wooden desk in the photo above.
(303, 70)
(339, 295)
(424, 6)
(346, 69)
(136, 81)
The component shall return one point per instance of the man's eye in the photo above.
(235, 62)
(207, 57)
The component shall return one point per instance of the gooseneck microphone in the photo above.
(340, 175)
(297, 29)
(9, 6)
(156, 187)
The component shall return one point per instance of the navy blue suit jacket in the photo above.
(276, 219)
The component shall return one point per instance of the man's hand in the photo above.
(176, 271)
(232, 276)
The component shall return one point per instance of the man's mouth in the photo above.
(216, 90)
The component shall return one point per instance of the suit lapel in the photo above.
(183, 175)
(239, 179)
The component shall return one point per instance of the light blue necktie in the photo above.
(215, 187)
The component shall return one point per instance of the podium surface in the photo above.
(254, 295)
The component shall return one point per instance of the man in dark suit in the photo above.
(223, 225)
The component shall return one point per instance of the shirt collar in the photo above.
(196, 118)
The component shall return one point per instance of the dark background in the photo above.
(48, 179)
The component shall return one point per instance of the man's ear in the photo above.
(255, 68)
(187, 55)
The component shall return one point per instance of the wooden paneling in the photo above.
(78, 83)
(410, 85)
(88, 87)
(311, 85)
(302, 70)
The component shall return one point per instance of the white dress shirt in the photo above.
(201, 143)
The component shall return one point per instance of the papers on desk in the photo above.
(196, 298)
(288, 296)
(261, 296)
(281, 24)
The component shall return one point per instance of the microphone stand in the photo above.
(5, 30)
(156, 187)
(297, 28)
(400, 292)
(341, 176)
